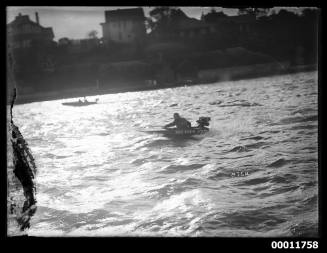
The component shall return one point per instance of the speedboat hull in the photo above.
(180, 132)
(78, 103)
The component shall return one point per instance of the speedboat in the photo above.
(200, 129)
(80, 103)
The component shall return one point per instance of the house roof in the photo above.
(132, 13)
(24, 19)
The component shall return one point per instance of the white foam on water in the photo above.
(92, 161)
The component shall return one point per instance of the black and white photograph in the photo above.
(162, 121)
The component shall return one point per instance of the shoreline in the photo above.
(76, 93)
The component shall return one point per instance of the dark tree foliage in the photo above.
(287, 36)
(92, 34)
(162, 19)
(213, 16)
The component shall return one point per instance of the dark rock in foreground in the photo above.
(21, 169)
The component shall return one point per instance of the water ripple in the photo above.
(254, 174)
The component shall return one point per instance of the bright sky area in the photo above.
(76, 22)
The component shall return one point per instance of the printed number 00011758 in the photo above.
(294, 245)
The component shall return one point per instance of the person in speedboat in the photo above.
(179, 122)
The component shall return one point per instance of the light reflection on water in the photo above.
(98, 175)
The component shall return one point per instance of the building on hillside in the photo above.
(64, 42)
(125, 26)
(245, 23)
(24, 33)
(192, 27)
(79, 45)
(184, 28)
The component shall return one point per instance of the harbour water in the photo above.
(254, 174)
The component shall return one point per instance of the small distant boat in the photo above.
(81, 103)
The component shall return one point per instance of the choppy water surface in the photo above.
(254, 174)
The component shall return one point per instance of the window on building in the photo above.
(26, 43)
(16, 45)
(26, 28)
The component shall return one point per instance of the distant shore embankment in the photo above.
(204, 77)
